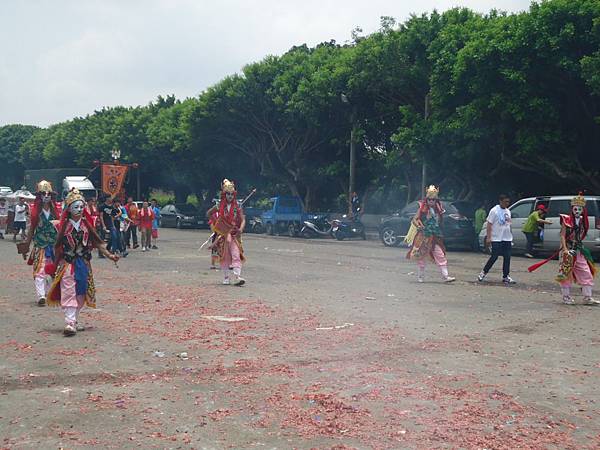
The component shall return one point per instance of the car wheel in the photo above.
(389, 237)
(269, 229)
(291, 230)
(339, 235)
(363, 235)
(258, 229)
(178, 223)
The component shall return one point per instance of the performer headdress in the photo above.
(73, 196)
(578, 200)
(45, 187)
(227, 186)
(432, 192)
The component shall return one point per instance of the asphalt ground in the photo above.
(328, 345)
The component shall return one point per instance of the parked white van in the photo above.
(556, 205)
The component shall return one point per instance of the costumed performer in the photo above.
(425, 235)
(229, 226)
(73, 284)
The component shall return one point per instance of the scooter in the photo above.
(348, 228)
(318, 226)
(255, 225)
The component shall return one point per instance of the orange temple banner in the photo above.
(113, 177)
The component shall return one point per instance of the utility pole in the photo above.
(424, 168)
(352, 159)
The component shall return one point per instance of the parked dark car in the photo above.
(182, 215)
(458, 229)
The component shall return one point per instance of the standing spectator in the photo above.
(146, 220)
(3, 216)
(499, 237)
(108, 212)
(531, 228)
(155, 223)
(480, 215)
(134, 221)
(20, 221)
(123, 226)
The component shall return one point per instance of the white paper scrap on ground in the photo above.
(225, 319)
(337, 327)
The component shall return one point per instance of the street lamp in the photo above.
(352, 175)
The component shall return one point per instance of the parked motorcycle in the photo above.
(348, 228)
(317, 226)
(255, 225)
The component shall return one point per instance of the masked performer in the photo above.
(73, 284)
(229, 226)
(43, 234)
(425, 235)
(576, 263)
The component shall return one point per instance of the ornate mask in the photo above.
(229, 196)
(577, 211)
(46, 197)
(76, 208)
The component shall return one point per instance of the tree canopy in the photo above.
(491, 102)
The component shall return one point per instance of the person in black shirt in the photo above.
(108, 213)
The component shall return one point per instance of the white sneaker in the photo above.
(568, 300)
(591, 301)
(226, 281)
(420, 280)
(69, 330)
(481, 276)
(508, 280)
(528, 255)
(79, 327)
(449, 279)
(239, 281)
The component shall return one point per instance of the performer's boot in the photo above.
(71, 320)
(238, 280)
(445, 277)
(40, 288)
(566, 295)
(225, 271)
(587, 296)
(420, 274)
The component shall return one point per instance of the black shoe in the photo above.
(154, 247)
(41, 301)
(124, 254)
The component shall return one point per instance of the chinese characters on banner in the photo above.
(113, 177)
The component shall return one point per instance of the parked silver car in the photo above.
(556, 205)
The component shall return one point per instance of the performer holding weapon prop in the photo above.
(210, 238)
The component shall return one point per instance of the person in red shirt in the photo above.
(146, 216)
(134, 221)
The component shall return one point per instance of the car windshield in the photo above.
(187, 209)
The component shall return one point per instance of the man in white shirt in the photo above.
(20, 221)
(499, 237)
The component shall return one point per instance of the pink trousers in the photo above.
(582, 274)
(231, 254)
(438, 257)
(70, 302)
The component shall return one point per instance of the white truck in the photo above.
(82, 183)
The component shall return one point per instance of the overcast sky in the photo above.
(60, 59)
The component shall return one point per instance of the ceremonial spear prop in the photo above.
(252, 192)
